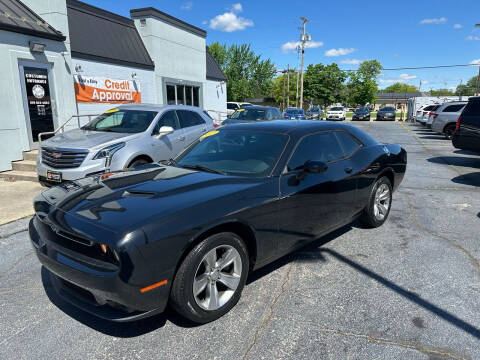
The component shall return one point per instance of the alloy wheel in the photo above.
(217, 277)
(382, 202)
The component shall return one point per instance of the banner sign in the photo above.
(94, 89)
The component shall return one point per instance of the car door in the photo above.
(192, 124)
(168, 146)
(313, 204)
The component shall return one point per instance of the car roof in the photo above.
(157, 107)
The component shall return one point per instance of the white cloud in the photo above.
(473, 37)
(425, 82)
(204, 22)
(229, 21)
(351, 61)
(400, 78)
(475, 62)
(457, 26)
(339, 52)
(237, 8)
(292, 45)
(441, 20)
(187, 5)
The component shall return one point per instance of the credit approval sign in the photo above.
(94, 89)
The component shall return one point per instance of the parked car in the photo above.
(254, 113)
(232, 106)
(386, 113)
(123, 137)
(423, 116)
(336, 113)
(315, 112)
(294, 114)
(467, 132)
(362, 113)
(445, 119)
(431, 115)
(123, 245)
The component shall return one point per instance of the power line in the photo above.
(422, 67)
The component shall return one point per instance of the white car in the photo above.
(425, 112)
(232, 106)
(336, 113)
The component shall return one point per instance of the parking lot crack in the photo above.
(269, 311)
(474, 261)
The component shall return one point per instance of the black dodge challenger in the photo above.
(122, 245)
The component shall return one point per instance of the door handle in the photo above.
(348, 170)
(181, 138)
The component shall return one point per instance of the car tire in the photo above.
(449, 130)
(194, 271)
(138, 162)
(379, 204)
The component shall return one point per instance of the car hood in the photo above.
(130, 199)
(85, 139)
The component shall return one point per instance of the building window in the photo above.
(171, 98)
(183, 95)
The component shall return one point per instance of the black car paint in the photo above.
(152, 216)
(361, 114)
(467, 137)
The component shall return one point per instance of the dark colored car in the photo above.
(467, 132)
(362, 113)
(294, 114)
(315, 112)
(122, 245)
(386, 113)
(253, 113)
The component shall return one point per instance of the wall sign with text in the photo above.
(94, 89)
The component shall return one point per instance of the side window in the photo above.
(167, 119)
(269, 115)
(318, 147)
(232, 106)
(453, 108)
(347, 142)
(189, 118)
(471, 113)
(278, 115)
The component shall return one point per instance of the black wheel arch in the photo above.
(140, 157)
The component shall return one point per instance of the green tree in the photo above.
(442, 92)
(468, 89)
(279, 86)
(400, 88)
(324, 84)
(362, 85)
(247, 74)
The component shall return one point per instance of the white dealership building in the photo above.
(64, 58)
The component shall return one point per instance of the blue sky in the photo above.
(404, 33)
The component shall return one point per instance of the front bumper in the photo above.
(88, 167)
(97, 287)
(335, 117)
(386, 117)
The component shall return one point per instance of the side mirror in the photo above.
(315, 167)
(164, 130)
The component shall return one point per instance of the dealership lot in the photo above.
(408, 289)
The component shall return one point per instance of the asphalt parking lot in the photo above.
(407, 290)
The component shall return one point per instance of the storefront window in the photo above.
(188, 95)
(196, 97)
(180, 94)
(171, 100)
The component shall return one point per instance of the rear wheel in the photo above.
(379, 204)
(210, 280)
(449, 130)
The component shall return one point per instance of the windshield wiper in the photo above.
(202, 168)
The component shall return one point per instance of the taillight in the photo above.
(459, 120)
(285, 116)
(425, 112)
(215, 125)
(301, 116)
(432, 114)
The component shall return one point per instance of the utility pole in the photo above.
(298, 77)
(283, 97)
(288, 85)
(304, 38)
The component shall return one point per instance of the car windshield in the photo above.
(361, 110)
(235, 152)
(122, 121)
(338, 108)
(315, 109)
(249, 114)
(388, 108)
(294, 111)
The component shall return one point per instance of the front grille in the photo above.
(63, 159)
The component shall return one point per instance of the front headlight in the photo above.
(107, 152)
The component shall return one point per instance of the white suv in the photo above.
(446, 116)
(336, 113)
(233, 106)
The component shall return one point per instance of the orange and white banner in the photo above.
(89, 89)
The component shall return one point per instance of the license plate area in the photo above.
(54, 176)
